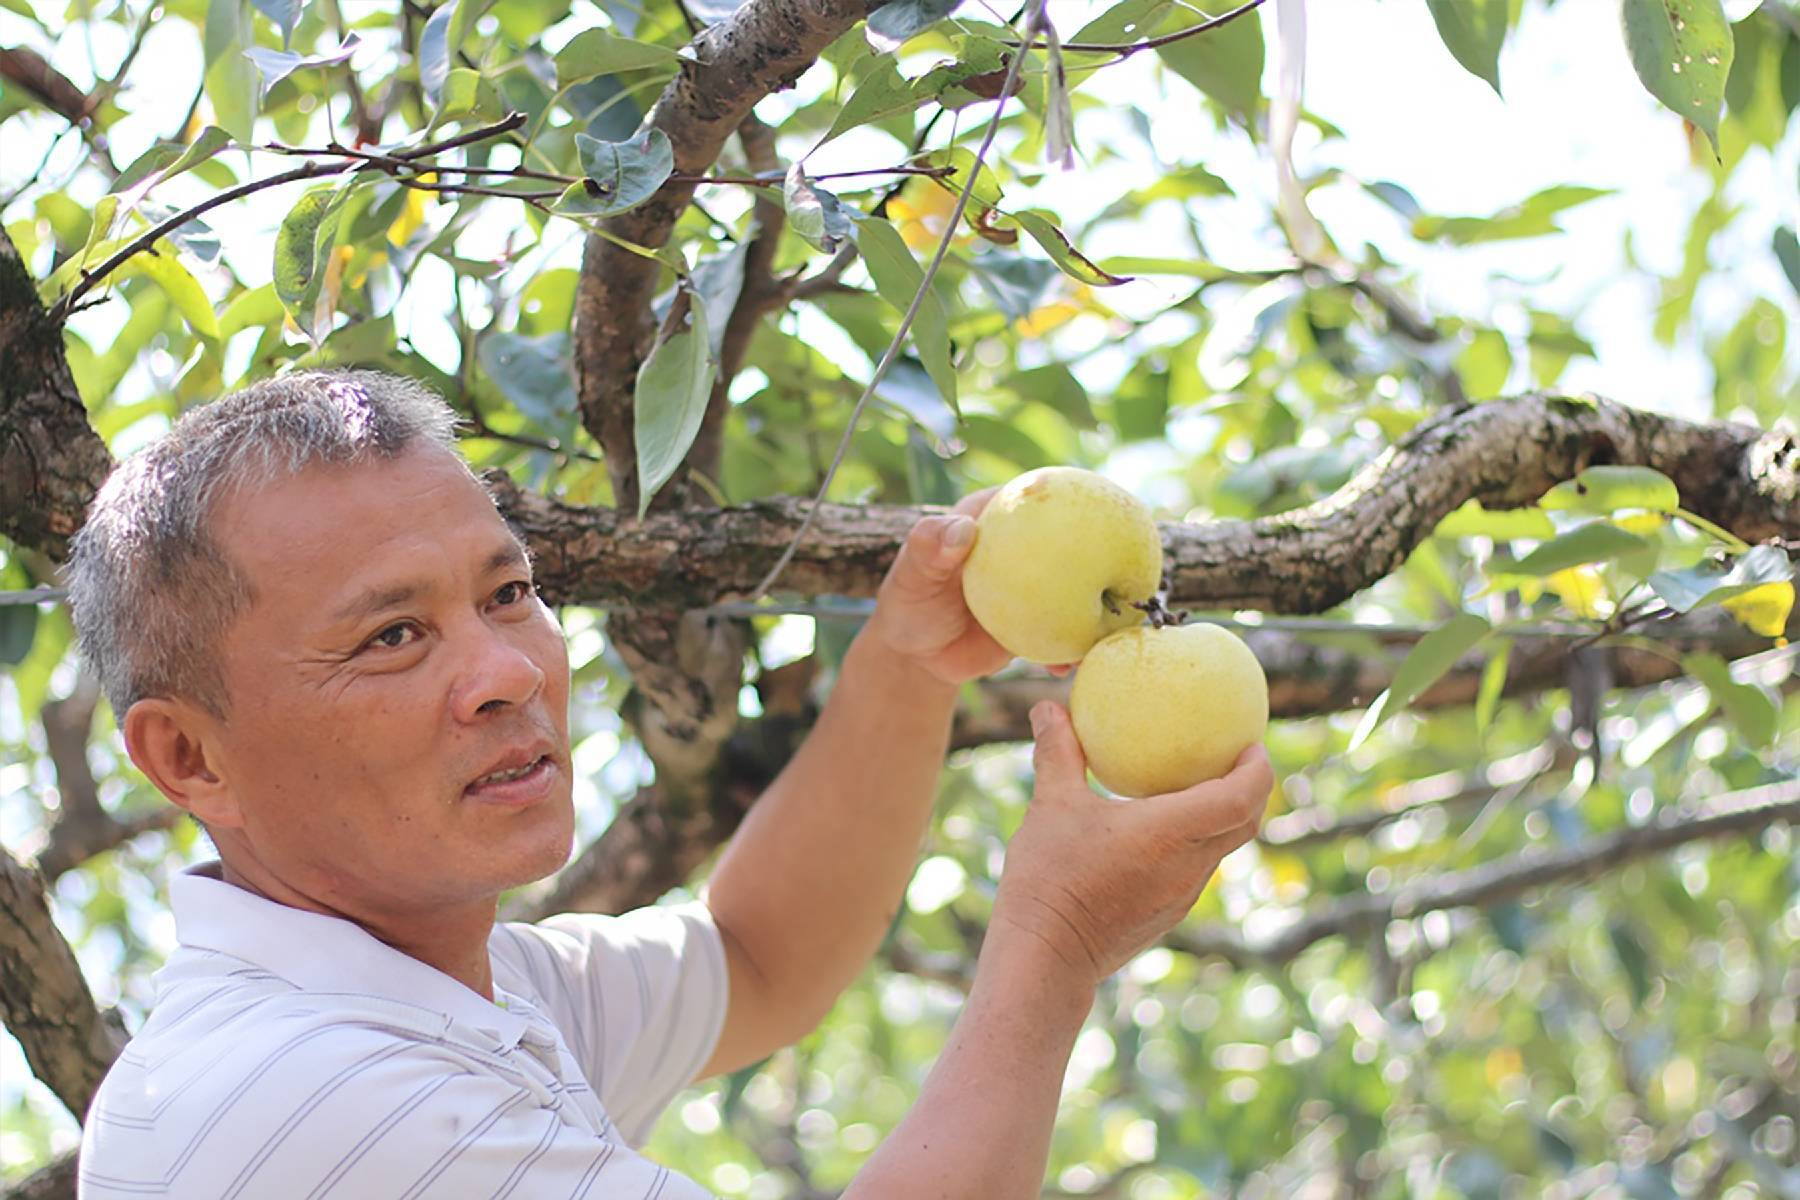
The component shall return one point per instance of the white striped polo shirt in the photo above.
(292, 1056)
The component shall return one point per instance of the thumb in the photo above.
(935, 549)
(1057, 756)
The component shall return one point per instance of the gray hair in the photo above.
(151, 590)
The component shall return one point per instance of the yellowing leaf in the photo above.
(1764, 609)
(1582, 590)
(412, 213)
(1041, 321)
(1288, 875)
(1644, 524)
(921, 213)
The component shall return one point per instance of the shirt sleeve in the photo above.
(639, 998)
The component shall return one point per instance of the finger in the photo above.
(972, 504)
(1061, 669)
(934, 551)
(1225, 803)
(1057, 756)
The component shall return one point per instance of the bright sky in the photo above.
(1574, 113)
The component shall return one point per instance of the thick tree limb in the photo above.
(761, 48)
(51, 460)
(53, 1181)
(1505, 453)
(1749, 811)
(44, 1001)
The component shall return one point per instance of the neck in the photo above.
(450, 939)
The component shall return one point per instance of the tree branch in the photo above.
(44, 1001)
(311, 170)
(763, 47)
(1505, 453)
(1749, 811)
(51, 460)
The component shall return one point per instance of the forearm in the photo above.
(815, 874)
(982, 1124)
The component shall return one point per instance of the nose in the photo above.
(498, 673)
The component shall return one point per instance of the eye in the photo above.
(516, 592)
(395, 636)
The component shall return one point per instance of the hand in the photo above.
(920, 613)
(1094, 881)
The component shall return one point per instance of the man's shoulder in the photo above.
(224, 1068)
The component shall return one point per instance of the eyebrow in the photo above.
(373, 600)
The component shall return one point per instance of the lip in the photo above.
(530, 788)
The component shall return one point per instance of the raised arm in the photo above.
(1088, 883)
(814, 876)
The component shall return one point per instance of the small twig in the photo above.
(312, 170)
(469, 189)
(912, 311)
(1127, 49)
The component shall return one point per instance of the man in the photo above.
(322, 641)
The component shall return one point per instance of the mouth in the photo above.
(516, 781)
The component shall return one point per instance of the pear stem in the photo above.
(1159, 615)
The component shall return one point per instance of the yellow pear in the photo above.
(1060, 556)
(1161, 709)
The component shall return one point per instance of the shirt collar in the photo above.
(321, 953)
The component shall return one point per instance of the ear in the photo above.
(173, 742)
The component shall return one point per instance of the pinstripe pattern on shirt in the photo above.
(334, 1068)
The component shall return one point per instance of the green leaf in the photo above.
(898, 277)
(1698, 587)
(230, 79)
(165, 160)
(1632, 957)
(259, 306)
(1061, 251)
(434, 53)
(1485, 363)
(1604, 490)
(1016, 284)
(1493, 683)
(18, 628)
(620, 175)
(1473, 31)
(1225, 63)
(928, 480)
(285, 14)
(1787, 247)
(1594, 542)
(1681, 50)
(1435, 654)
(890, 26)
(161, 266)
(302, 245)
(1747, 707)
(275, 65)
(534, 373)
(814, 213)
(673, 388)
(882, 93)
(463, 15)
(1533, 216)
(600, 52)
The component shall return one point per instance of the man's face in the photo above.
(396, 734)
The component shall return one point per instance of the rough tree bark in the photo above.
(51, 460)
(44, 1001)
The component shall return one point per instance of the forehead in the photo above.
(329, 528)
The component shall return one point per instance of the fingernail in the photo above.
(1037, 718)
(960, 533)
